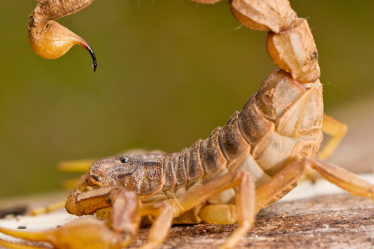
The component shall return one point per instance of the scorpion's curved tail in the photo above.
(282, 121)
(49, 39)
(290, 43)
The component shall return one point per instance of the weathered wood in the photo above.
(329, 221)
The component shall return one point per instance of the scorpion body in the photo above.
(254, 160)
(279, 124)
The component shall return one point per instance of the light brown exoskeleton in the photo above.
(251, 162)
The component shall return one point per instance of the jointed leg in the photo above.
(273, 189)
(48, 208)
(337, 130)
(80, 166)
(344, 179)
(67, 166)
(245, 202)
(161, 226)
(245, 207)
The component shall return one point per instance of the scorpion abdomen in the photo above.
(270, 132)
(290, 106)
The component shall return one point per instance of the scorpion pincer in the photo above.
(251, 162)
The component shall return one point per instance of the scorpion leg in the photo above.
(49, 208)
(245, 202)
(337, 130)
(75, 165)
(245, 208)
(161, 225)
(344, 179)
(68, 184)
(79, 166)
(272, 189)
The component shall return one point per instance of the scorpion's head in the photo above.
(142, 174)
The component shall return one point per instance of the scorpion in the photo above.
(244, 166)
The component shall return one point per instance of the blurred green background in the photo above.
(168, 73)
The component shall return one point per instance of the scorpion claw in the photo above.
(82, 233)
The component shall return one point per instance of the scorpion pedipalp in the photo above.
(90, 232)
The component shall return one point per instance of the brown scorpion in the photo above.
(251, 162)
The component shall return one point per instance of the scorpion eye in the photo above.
(124, 159)
(95, 177)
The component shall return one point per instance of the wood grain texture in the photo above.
(331, 221)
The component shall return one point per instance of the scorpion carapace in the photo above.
(254, 160)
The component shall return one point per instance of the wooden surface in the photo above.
(329, 221)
